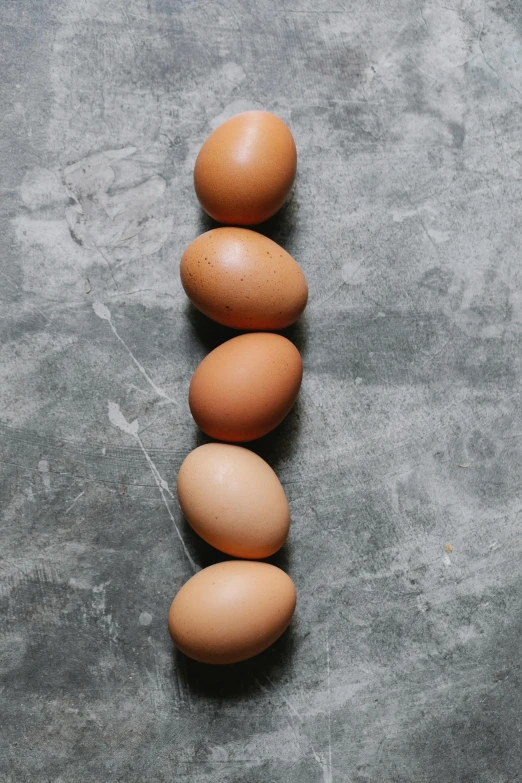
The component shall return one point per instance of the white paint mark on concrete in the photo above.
(76, 499)
(117, 418)
(145, 619)
(103, 312)
(162, 484)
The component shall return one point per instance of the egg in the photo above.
(246, 168)
(242, 279)
(231, 611)
(246, 386)
(233, 499)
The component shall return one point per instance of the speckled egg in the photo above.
(242, 279)
(246, 386)
(231, 611)
(246, 168)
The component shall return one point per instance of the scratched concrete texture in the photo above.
(401, 460)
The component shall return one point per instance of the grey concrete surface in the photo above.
(402, 459)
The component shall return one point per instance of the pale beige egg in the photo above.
(233, 499)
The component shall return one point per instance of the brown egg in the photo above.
(242, 279)
(233, 499)
(246, 386)
(246, 168)
(231, 611)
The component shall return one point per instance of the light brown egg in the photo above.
(231, 611)
(242, 279)
(246, 386)
(233, 499)
(246, 168)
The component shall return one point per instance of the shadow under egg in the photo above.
(208, 333)
(279, 228)
(211, 334)
(235, 681)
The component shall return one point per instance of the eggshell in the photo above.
(246, 168)
(246, 386)
(231, 611)
(233, 499)
(242, 279)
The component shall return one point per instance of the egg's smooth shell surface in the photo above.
(246, 168)
(231, 611)
(233, 499)
(245, 387)
(244, 280)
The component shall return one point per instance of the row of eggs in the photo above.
(241, 391)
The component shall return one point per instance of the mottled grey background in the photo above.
(402, 459)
